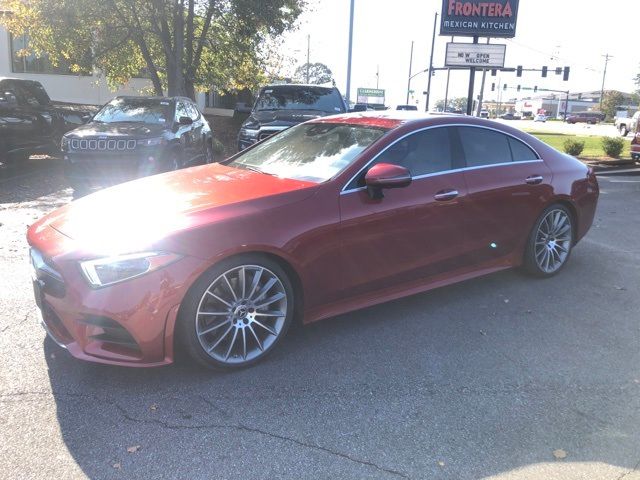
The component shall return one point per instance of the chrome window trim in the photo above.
(539, 159)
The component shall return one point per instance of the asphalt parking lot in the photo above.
(485, 379)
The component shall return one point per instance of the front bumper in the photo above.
(129, 324)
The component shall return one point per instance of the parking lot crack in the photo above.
(17, 324)
(244, 428)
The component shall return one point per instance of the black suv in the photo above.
(30, 123)
(132, 137)
(279, 107)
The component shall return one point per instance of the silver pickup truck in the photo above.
(627, 124)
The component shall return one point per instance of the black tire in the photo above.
(623, 131)
(208, 152)
(189, 321)
(532, 257)
(172, 161)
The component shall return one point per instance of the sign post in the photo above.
(477, 18)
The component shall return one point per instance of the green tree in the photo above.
(182, 45)
(318, 73)
(611, 100)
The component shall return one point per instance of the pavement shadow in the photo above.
(478, 379)
(37, 182)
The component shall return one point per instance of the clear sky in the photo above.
(574, 32)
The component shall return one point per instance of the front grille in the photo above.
(48, 279)
(103, 144)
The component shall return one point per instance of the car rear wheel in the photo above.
(623, 130)
(237, 312)
(550, 243)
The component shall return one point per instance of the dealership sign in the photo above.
(475, 55)
(481, 18)
(371, 96)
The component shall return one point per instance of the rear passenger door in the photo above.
(508, 184)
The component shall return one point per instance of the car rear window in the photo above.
(320, 99)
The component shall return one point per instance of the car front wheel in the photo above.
(237, 312)
(550, 242)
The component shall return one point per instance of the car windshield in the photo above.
(138, 110)
(313, 152)
(300, 98)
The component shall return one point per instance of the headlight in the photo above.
(246, 132)
(107, 271)
(151, 142)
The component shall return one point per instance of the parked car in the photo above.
(626, 125)
(635, 146)
(324, 218)
(484, 113)
(132, 137)
(540, 118)
(510, 116)
(30, 123)
(407, 107)
(585, 117)
(279, 107)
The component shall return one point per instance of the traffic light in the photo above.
(535, 89)
(565, 74)
(519, 71)
(493, 87)
(544, 71)
(504, 87)
(558, 70)
(518, 87)
(494, 72)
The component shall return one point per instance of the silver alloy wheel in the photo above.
(241, 314)
(553, 240)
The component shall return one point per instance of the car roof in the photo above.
(302, 85)
(389, 118)
(154, 97)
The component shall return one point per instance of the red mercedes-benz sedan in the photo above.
(329, 216)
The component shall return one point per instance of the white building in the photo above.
(61, 84)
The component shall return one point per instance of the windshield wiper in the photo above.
(257, 170)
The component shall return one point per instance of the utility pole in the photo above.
(377, 76)
(308, 52)
(348, 95)
(484, 76)
(446, 91)
(433, 42)
(409, 81)
(604, 75)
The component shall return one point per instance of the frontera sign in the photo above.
(496, 18)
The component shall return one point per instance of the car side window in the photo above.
(25, 96)
(521, 152)
(194, 113)
(181, 111)
(422, 153)
(482, 146)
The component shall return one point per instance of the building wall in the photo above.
(91, 89)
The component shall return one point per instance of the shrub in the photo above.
(612, 146)
(573, 147)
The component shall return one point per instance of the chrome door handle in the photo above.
(445, 195)
(534, 179)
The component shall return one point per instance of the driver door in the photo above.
(413, 233)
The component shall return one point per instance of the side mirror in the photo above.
(8, 98)
(386, 175)
(242, 107)
(185, 121)
(359, 107)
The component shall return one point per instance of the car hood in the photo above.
(118, 129)
(283, 117)
(140, 214)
